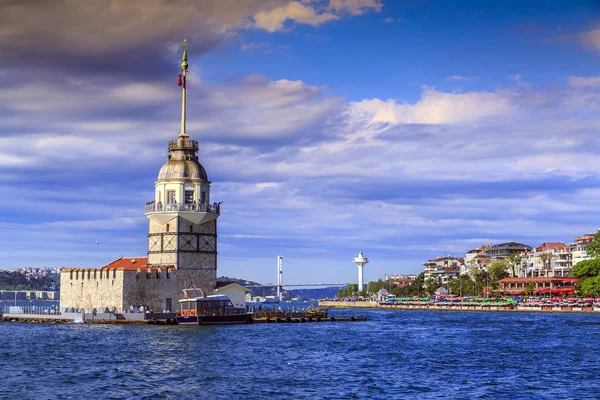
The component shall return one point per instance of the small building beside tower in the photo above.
(182, 240)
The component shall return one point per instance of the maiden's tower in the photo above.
(182, 239)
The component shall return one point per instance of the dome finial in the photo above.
(184, 64)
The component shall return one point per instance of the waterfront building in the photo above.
(182, 240)
(401, 280)
(236, 293)
(443, 269)
(580, 246)
(476, 258)
(543, 286)
(549, 259)
(503, 250)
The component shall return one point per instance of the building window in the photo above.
(167, 228)
(191, 228)
(170, 196)
(76, 274)
(203, 198)
(189, 197)
(114, 273)
(71, 275)
(89, 273)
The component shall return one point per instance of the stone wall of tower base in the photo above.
(79, 292)
(130, 288)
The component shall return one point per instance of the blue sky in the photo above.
(403, 129)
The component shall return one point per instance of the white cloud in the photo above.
(437, 108)
(356, 7)
(274, 19)
(461, 78)
(591, 38)
(584, 82)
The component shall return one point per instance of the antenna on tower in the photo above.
(184, 67)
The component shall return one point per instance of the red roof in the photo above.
(550, 246)
(539, 279)
(125, 264)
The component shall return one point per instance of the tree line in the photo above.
(18, 281)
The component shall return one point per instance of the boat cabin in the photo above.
(210, 306)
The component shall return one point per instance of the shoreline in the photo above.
(459, 308)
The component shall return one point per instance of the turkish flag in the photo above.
(179, 80)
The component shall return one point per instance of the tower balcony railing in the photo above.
(181, 143)
(153, 206)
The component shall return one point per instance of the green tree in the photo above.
(497, 269)
(586, 268)
(590, 286)
(514, 261)
(593, 247)
(529, 289)
(431, 285)
(351, 290)
(463, 284)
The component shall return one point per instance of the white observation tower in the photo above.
(360, 261)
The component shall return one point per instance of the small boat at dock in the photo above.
(211, 310)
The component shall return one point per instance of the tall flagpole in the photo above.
(184, 67)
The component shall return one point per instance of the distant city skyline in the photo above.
(404, 129)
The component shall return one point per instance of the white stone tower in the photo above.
(182, 228)
(360, 261)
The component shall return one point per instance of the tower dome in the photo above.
(182, 163)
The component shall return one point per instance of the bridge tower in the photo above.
(360, 261)
(279, 278)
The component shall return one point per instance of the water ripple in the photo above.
(395, 354)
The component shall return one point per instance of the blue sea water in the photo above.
(394, 355)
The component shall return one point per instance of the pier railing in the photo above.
(30, 310)
(152, 206)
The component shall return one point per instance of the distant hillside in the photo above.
(242, 282)
(18, 281)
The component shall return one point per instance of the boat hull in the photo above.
(214, 319)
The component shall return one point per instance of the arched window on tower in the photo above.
(167, 228)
